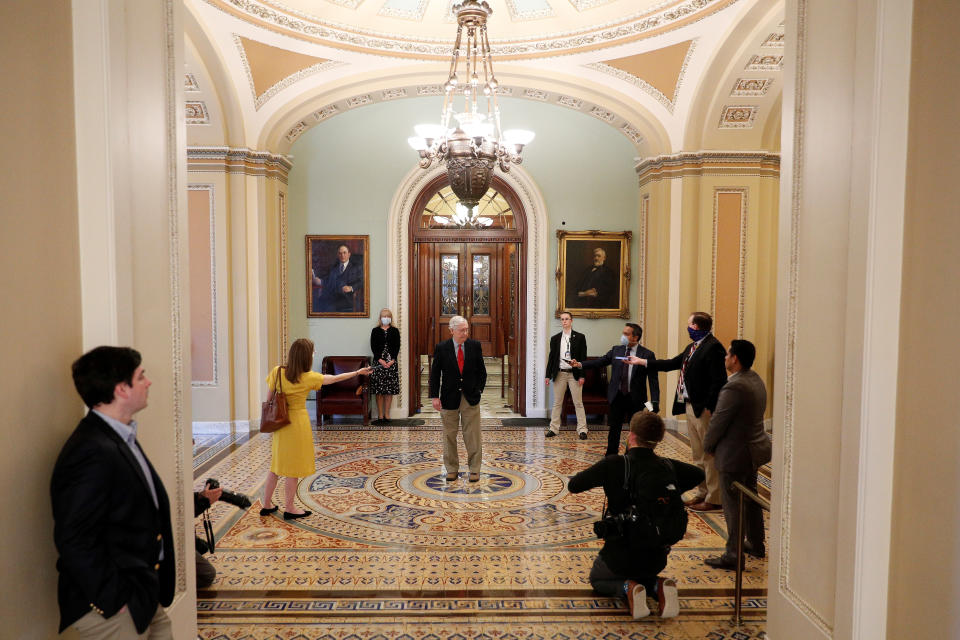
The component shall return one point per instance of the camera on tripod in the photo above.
(238, 500)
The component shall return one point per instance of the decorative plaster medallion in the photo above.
(739, 116)
(504, 91)
(398, 9)
(393, 94)
(529, 9)
(358, 101)
(632, 133)
(583, 5)
(751, 87)
(602, 114)
(535, 94)
(775, 40)
(567, 101)
(197, 113)
(765, 63)
(326, 112)
(295, 131)
(430, 90)
(190, 83)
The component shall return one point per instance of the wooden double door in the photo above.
(476, 280)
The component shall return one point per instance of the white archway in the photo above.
(537, 274)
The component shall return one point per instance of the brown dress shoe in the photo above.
(705, 506)
(692, 501)
(474, 476)
(451, 476)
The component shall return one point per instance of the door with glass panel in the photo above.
(469, 286)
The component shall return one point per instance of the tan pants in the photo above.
(469, 416)
(564, 381)
(709, 490)
(119, 626)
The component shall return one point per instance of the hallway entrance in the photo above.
(475, 272)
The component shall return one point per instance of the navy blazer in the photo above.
(638, 381)
(447, 383)
(107, 530)
(704, 376)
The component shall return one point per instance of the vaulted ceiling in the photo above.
(668, 74)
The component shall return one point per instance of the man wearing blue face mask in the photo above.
(627, 391)
(702, 375)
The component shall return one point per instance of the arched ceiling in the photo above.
(636, 64)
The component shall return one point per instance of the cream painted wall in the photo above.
(925, 557)
(334, 190)
(41, 332)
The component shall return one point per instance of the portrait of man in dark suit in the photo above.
(111, 513)
(598, 286)
(593, 273)
(337, 276)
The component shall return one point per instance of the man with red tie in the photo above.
(457, 379)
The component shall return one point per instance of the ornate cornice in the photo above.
(243, 160)
(640, 25)
(760, 164)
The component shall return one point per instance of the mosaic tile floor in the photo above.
(394, 552)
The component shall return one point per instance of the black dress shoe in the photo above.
(265, 512)
(550, 434)
(723, 562)
(293, 516)
(756, 552)
(583, 435)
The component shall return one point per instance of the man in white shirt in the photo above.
(566, 346)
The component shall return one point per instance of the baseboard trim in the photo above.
(230, 426)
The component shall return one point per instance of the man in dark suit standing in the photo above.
(739, 446)
(627, 391)
(111, 513)
(566, 346)
(701, 377)
(457, 379)
(343, 284)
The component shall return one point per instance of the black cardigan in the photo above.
(392, 336)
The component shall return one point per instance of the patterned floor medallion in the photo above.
(391, 536)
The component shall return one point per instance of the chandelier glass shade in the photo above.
(475, 145)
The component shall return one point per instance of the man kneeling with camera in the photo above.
(644, 517)
(202, 500)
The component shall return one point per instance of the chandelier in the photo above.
(476, 145)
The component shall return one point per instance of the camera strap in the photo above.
(208, 530)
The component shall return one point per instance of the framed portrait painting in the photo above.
(593, 273)
(338, 273)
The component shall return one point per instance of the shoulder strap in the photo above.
(279, 385)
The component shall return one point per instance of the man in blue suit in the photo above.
(627, 391)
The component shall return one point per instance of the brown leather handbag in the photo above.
(273, 412)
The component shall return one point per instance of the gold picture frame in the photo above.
(332, 291)
(593, 273)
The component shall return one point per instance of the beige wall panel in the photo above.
(730, 215)
(200, 202)
(925, 559)
(41, 332)
(657, 269)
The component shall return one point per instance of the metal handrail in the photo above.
(738, 585)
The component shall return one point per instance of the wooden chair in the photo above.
(347, 397)
(594, 394)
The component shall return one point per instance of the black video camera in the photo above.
(238, 500)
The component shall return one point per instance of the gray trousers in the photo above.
(468, 417)
(752, 514)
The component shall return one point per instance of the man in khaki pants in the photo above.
(566, 346)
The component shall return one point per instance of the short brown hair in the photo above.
(703, 320)
(300, 359)
(648, 428)
(565, 313)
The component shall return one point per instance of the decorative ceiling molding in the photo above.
(190, 83)
(738, 116)
(762, 164)
(604, 114)
(668, 102)
(642, 24)
(583, 5)
(242, 160)
(534, 9)
(261, 99)
(765, 63)
(751, 87)
(775, 40)
(196, 112)
(396, 9)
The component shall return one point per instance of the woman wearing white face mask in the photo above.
(385, 379)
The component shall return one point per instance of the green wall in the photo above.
(347, 169)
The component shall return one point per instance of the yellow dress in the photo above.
(293, 453)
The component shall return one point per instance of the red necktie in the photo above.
(460, 357)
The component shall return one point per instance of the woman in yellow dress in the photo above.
(292, 452)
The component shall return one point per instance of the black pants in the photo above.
(621, 410)
(752, 514)
(205, 572)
